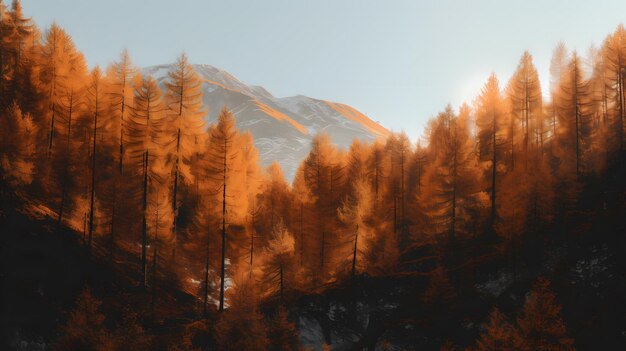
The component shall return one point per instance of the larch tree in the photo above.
(570, 146)
(357, 202)
(95, 109)
(540, 324)
(202, 236)
(252, 185)
(5, 42)
(57, 57)
(399, 150)
(382, 253)
(252, 220)
(207, 269)
(218, 232)
(279, 266)
(130, 334)
(85, 328)
(242, 326)
(22, 28)
(18, 142)
(143, 148)
(324, 176)
(530, 195)
(271, 204)
(572, 104)
(20, 36)
(120, 82)
(356, 164)
(222, 152)
(376, 163)
(498, 334)
(300, 204)
(519, 185)
(282, 333)
(558, 67)
(159, 219)
(120, 75)
(491, 136)
(405, 152)
(204, 247)
(453, 181)
(316, 176)
(525, 102)
(603, 143)
(272, 200)
(183, 96)
(614, 52)
(71, 107)
(355, 214)
(419, 164)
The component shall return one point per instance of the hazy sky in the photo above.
(400, 62)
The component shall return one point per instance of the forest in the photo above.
(161, 231)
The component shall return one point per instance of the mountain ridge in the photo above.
(282, 127)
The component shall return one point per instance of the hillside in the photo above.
(584, 257)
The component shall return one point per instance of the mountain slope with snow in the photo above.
(282, 127)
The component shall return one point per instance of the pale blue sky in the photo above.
(400, 62)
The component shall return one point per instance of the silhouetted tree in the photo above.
(282, 333)
(498, 334)
(540, 325)
(242, 326)
(84, 329)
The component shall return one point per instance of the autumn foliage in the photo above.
(133, 164)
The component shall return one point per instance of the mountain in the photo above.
(282, 127)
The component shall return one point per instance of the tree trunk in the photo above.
(576, 110)
(155, 258)
(322, 252)
(67, 160)
(118, 181)
(93, 173)
(121, 151)
(301, 234)
(175, 194)
(223, 267)
(395, 210)
(454, 180)
(376, 177)
(620, 91)
(356, 239)
(494, 164)
(402, 201)
(144, 223)
(206, 271)
(282, 283)
(112, 236)
(252, 237)
(51, 135)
